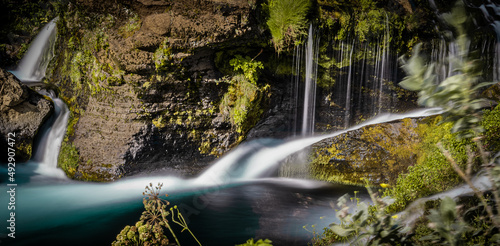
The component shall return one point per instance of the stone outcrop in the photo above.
(22, 112)
(378, 153)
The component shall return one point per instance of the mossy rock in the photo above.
(378, 153)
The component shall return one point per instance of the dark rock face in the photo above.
(279, 121)
(22, 112)
(493, 92)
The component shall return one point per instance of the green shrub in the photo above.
(149, 230)
(287, 21)
(432, 173)
(249, 67)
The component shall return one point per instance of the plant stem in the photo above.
(171, 231)
(478, 192)
(183, 224)
(488, 166)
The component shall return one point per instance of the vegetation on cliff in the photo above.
(287, 21)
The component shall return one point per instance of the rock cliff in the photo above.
(144, 81)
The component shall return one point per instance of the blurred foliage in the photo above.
(451, 151)
(457, 95)
(432, 173)
(365, 224)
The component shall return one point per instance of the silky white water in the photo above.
(310, 84)
(34, 63)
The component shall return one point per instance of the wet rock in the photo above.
(493, 92)
(22, 113)
(378, 153)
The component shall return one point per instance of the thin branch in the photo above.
(478, 192)
(488, 166)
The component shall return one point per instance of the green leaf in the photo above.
(483, 84)
(343, 232)
(448, 210)
(411, 84)
(459, 125)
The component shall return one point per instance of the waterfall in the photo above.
(310, 84)
(50, 138)
(305, 69)
(32, 66)
(296, 166)
(363, 71)
(348, 91)
(30, 69)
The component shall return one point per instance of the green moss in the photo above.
(491, 125)
(24, 151)
(360, 155)
(159, 122)
(133, 24)
(95, 177)
(162, 57)
(241, 104)
(68, 159)
(74, 115)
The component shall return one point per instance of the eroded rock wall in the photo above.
(144, 84)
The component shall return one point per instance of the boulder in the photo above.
(377, 153)
(22, 113)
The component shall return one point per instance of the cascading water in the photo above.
(310, 84)
(296, 166)
(45, 157)
(361, 80)
(32, 66)
(305, 69)
(31, 69)
(251, 165)
(55, 211)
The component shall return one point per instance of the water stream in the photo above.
(32, 66)
(239, 184)
(310, 83)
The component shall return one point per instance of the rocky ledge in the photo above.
(22, 113)
(377, 153)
